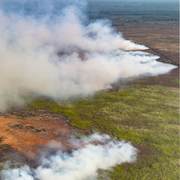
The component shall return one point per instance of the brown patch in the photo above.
(163, 40)
(163, 80)
(29, 134)
(81, 54)
(144, 150)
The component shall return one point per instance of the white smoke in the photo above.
(82, 163)
(30, 64)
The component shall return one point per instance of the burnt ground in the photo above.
(162, 38)
(24, 133)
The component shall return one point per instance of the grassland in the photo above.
(138, 12)
(154, 24)
(148, 116)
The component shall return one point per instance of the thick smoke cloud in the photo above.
(40, 56)
(81, 164)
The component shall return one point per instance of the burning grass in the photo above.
(148, 116)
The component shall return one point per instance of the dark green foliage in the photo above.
(122, 13)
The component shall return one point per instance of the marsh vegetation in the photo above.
(145, 115)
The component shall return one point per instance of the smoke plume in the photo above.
(81, 164)
(65, 55)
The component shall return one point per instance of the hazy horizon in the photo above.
(152, 1)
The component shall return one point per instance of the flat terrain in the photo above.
(153, 24)
(144, 111)
(25, 133)
(147, 116)
(162, 38)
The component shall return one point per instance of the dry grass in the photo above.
(146, 116)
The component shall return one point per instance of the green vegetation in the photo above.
(176, 81)
(148, 116)
(2, 167)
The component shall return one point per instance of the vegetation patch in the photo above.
(147, 116)
(176, 81)
(81, 124)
